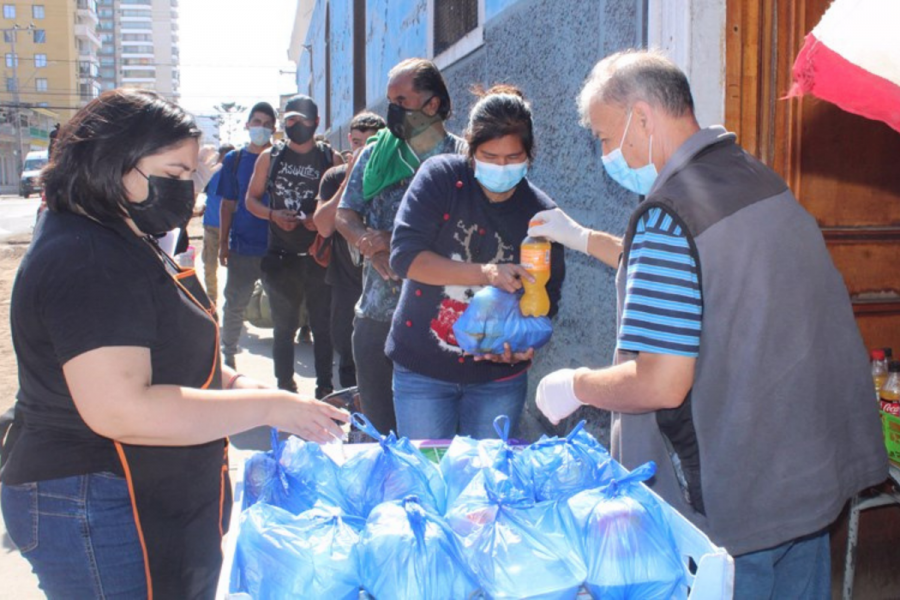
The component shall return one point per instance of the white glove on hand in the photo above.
(206, 163)
(559, 227)
(556, 395)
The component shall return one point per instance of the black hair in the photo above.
(501, 111)
(225, 149)
(263, 107)
(426, 77)
(367, 121)
(105, 140)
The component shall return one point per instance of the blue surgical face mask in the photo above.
(638, 180)
(500, 178)
(260, 136)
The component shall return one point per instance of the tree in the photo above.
(229, 120)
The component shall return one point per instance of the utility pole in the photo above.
(13, 33)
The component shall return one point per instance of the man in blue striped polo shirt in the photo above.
(739, 368)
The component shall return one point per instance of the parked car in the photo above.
(30, 181)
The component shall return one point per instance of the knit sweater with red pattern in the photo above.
(446, 211)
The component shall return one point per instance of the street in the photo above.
(17, 215)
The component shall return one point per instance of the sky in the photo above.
(232, 51)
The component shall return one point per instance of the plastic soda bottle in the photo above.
(890, 391)
(879, 370)
(535, 258)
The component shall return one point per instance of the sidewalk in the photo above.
(254, 361)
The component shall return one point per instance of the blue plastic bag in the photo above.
(389, 471)
(626, 541)
(518, 548)
(568, 465)
(295, 475)
(407, 552)
(466, 456)
(493, 318)
(312, 555)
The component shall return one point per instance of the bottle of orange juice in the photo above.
(535, 257)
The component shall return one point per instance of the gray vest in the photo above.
(781, 425)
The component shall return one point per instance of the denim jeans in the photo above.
(374, 372)
(288, 280)
(243, 272)
(799, 569)
(429, 408)
(79, 535)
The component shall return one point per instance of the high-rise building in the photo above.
(140, 45)
(51, 69)
(50, 54)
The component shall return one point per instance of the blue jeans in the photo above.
(433, 409)
(799, 569)
(79, 535)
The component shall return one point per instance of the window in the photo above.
(137, 49)
(453, 19)
(12, 60)
(37, 11)
(40, 36)
(9, 11)
(10, 84)
(40, 84)
(9, 36)
(40, 60)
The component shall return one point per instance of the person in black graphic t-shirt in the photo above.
(290, 273)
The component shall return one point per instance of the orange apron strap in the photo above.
(137, 520)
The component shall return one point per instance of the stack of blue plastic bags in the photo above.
(545, 522)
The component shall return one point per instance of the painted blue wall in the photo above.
(492, 8)
(547, 48)
(395, 29)
(341, 62)
(316, 39)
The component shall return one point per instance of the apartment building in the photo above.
(50, 70)
(140, 45)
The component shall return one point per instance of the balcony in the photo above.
(87, 32)
(88, 69)
(87, 12)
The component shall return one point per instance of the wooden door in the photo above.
(844, 169)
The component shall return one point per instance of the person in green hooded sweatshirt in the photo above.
(419, 103)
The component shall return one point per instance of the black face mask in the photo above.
(406, 123)
(169, 204)
(300, 133)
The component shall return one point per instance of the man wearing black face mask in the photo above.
(419, 105)
(290, 172)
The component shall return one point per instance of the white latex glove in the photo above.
(207, 158)
(556, 395)
(559, 227)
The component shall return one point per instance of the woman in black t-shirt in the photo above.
(115, 471)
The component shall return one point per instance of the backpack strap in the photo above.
(328, 152)
(234, 173)
(275, 157)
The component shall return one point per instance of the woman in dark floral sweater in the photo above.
(458, 229)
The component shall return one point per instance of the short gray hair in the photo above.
(626, 77)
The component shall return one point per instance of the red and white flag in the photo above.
(852, 59)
